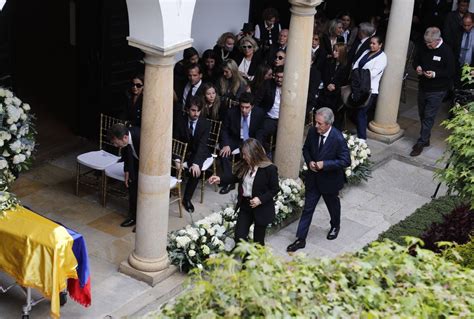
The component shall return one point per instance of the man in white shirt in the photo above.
(193, 87)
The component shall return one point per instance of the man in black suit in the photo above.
(193, 87)
(463, 46)
(268, 98)
(326, 153)
(128, 139)
(190, 128)
(362, 43)
(239, 125)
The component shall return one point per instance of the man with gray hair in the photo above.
(365, 31)
(434, 65)
(326, 154)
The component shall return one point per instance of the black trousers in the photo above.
(191, 184)
(245, 219)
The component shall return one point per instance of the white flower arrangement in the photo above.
(17, 136)
(361, 166)
(17, 141)
(189, 247)
(7, 201)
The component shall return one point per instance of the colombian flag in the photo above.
(41, 254)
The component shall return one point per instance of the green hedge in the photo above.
(385, 281)
(418, 222)
(466, 252)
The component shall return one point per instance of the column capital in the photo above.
(304, 7)
(156, 55)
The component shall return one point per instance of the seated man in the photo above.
(189, 128)
(268, 99)
(238, 126)
(128, 139)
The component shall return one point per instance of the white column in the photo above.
(295, 88)
(384, 127)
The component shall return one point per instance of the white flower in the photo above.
(182, 241)
(23, 117)
(5, 153)
(367, 151)
(191, 253)
(3, 164)
(26, 107)
(229, 244)
(19, 158)
(350, 142)
(2, 92)
(204, 239)
(13, 128)
(348, 172)
(205, 249)
(202, 231)
(199, 266)
(8, 94)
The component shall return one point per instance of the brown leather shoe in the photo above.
(417, 149)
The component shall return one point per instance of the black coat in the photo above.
(337, 75)
(355, 54)
(180, 93)
(130, 162)
(230, 135)
(326, 43)
(197, 151)
(265, 187)
(256, 61)
(265, 96)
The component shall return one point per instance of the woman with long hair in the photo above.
(258, 185)
(374, 60)
(231, 84)
(264, 72)
(212, 103)
(333, 35)
(335, 74)
(210, 67)
(133, 109)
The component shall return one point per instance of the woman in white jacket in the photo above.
(375, 60)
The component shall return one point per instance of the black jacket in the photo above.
(265, 187)
(197, 151)
(265, 96)
(230, 135)
(130, 162)
(355, 54)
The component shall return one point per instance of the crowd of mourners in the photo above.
(238, 82)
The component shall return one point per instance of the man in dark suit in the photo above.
(193, 87)
(268, 98)
(326, 154)
(362, 43)
(239, 125)
(463, 46)
(190, 128)
(128, 139)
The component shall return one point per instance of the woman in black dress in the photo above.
(133, 109)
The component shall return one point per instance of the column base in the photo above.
(385, 138)
(151, 278)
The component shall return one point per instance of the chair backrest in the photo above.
(214, 135)
(106, 122)
(178, 150)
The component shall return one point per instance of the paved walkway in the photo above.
(400, 184)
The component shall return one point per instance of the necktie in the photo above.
(189, 95)
(245, 128)
(191, 128)
(321, 143)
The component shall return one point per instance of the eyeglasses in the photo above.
(246, 46)
(137, 85)
(279, 57)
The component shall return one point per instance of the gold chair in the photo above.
(212, 143)
(99, 160)
(178, 151)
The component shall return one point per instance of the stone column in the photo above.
(295, 88)
(384, 127)
(149, 261)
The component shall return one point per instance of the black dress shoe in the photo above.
(333, 232)
(128, 222)
(298, 244)
(188, 206)
(417, 149)
(227, 188)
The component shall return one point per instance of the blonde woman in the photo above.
(231, 84)
(250, 58)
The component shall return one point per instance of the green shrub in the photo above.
(462, 254)
(384, 281)
(459, 175)
(418, 222)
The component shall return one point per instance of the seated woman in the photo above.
(212, 103)
(226, 48)
(335, 74)
(231, 84)
(258, 185)
(264, 72)
(280, 58)
(133, 109)
(210, 67)
(250, 58)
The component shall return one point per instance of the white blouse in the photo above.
(247, 183)
(376, 66)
